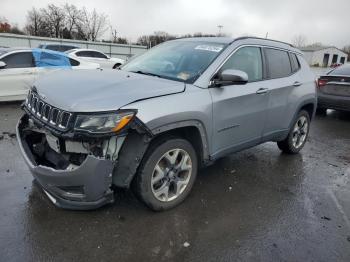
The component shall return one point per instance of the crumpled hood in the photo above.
(101, 90)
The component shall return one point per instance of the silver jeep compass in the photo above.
(152, 124)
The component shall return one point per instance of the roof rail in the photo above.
(259, 38)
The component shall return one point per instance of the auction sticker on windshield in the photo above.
(212, 48)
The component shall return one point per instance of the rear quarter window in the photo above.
(294, 62)
(74, 62)
(278, 63)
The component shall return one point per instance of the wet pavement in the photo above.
(256, 205)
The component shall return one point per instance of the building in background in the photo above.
(324, 56)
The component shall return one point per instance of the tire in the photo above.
(291, 146)
(156, 163)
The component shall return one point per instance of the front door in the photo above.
(18, 75)
(239, 111)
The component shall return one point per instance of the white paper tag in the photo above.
(211, 48)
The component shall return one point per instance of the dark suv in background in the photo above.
(152, 124)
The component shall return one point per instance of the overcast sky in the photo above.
(320, 21)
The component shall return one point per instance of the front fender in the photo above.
(188, 123)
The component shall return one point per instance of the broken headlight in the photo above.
(103, 123)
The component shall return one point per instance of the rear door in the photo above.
(102, 59)
(282, 79)
(18, 75)
(95, 57)
(239, 111)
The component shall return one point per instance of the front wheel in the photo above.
(297, 136)
(166, 174)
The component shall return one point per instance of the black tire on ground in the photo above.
(116, 66)
(142, 186)
(321, 111)
(287, 145)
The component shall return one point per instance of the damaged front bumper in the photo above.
(85, 186)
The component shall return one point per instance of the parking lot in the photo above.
(256, 205)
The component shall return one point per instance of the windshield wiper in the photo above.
(146, 73)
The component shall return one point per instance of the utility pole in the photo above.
(220, 28)
(114, 34)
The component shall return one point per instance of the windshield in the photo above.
(177, 60)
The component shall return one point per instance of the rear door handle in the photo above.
(262, 91)
(296, 83)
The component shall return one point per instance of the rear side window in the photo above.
(19, 60)
(294, 62)
(99, 55)
(246, 59)
(85, 54)
(278, 63)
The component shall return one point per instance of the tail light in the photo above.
(321, 82)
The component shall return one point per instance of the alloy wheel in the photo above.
(300, 131)
(171, 175)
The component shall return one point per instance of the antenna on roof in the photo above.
(267, 34)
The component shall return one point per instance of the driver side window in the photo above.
(19, 60)
(248, 60)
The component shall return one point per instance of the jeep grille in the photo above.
(53, 116)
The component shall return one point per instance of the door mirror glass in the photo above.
(231, 77)
(2, 65)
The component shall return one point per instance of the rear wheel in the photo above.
(297, 136)
(166, 174)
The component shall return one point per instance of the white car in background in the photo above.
(95, 56)
(19, 68)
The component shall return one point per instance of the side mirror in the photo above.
(2, 65)
(230, 77)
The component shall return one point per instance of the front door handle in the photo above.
(262, 91)
(296, 83)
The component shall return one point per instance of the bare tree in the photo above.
(54, 17)
(35, 23)
(299, 41)
(72, 22)
(346, 49)
(93, 24)
(3, 19)
(316, 44)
